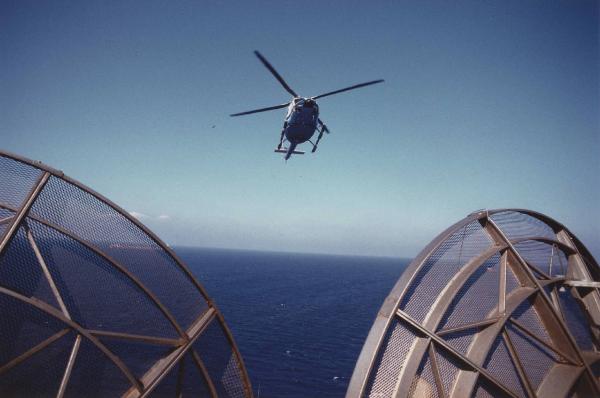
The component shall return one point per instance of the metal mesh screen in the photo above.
(448, 369)
(95, 222)
(5, 218)
(93, 376)
(461, 340)
(516, 224)
(485, 390)
(94, 305)
(467, 305)
(439, 268)
(545, 257)
(20, 271)
(92, 288)
(17, 181)
(424, 384)
(223, 367)
(536, 359)
(501, 365)
(23, 327)
(509, 304)
(527, 316)
(397, 343)
(576, 319)
(41, 373)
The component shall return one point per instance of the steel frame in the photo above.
(139, 387)
(572, 364)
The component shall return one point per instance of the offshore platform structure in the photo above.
(504, 303)
(93, 304)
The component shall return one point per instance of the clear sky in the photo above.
(485, 105)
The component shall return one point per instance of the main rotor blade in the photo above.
(262, 109)
(348, 88)
(274, 72)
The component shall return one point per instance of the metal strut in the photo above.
(322, 129)
(281, 137)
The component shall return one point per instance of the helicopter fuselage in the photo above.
(301, 120)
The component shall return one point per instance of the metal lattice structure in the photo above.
(504, 303)
(93, 304)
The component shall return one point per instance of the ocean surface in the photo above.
(300, 320)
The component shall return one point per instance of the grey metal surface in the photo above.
(504, 303)
(92, 303)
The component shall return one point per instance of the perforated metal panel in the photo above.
(93, 304)
(503, 303)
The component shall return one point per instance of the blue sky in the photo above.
(485, 105)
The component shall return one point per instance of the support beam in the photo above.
(202, 368)
(572, 346)
(455, 354)
(568, 250)
(551, 347)
(436, 371)
(5, 220)
(163, 366)
(559, 380)
(588, 284)
(483, 341)
(436, 313)
(46, 271)
(50, 310)
(22, 212)
(518, 364)
(502, 284)
(138, 338)
(364, 365)
(14, 362)
(67, 375)
(119, 267)
(472, 325)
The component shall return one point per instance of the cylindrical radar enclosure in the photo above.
(93, 304)
(504, 303)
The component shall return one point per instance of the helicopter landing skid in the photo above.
(284, 150)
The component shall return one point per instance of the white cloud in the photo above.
(138, 215)
(142, 216)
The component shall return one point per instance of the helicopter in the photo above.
(302, 118)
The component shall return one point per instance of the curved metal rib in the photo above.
(404, 388)
(560, 342)
(17, 360)
(161, 368)
(177, 261)
(484, 340)
(370, 350)
(573, 347)
(48, 309)
(22, 212)
(436, 313)
(559, 380)
(119, 267)
(202, 368)
(566, 249)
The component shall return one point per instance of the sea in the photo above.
(299, 320)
